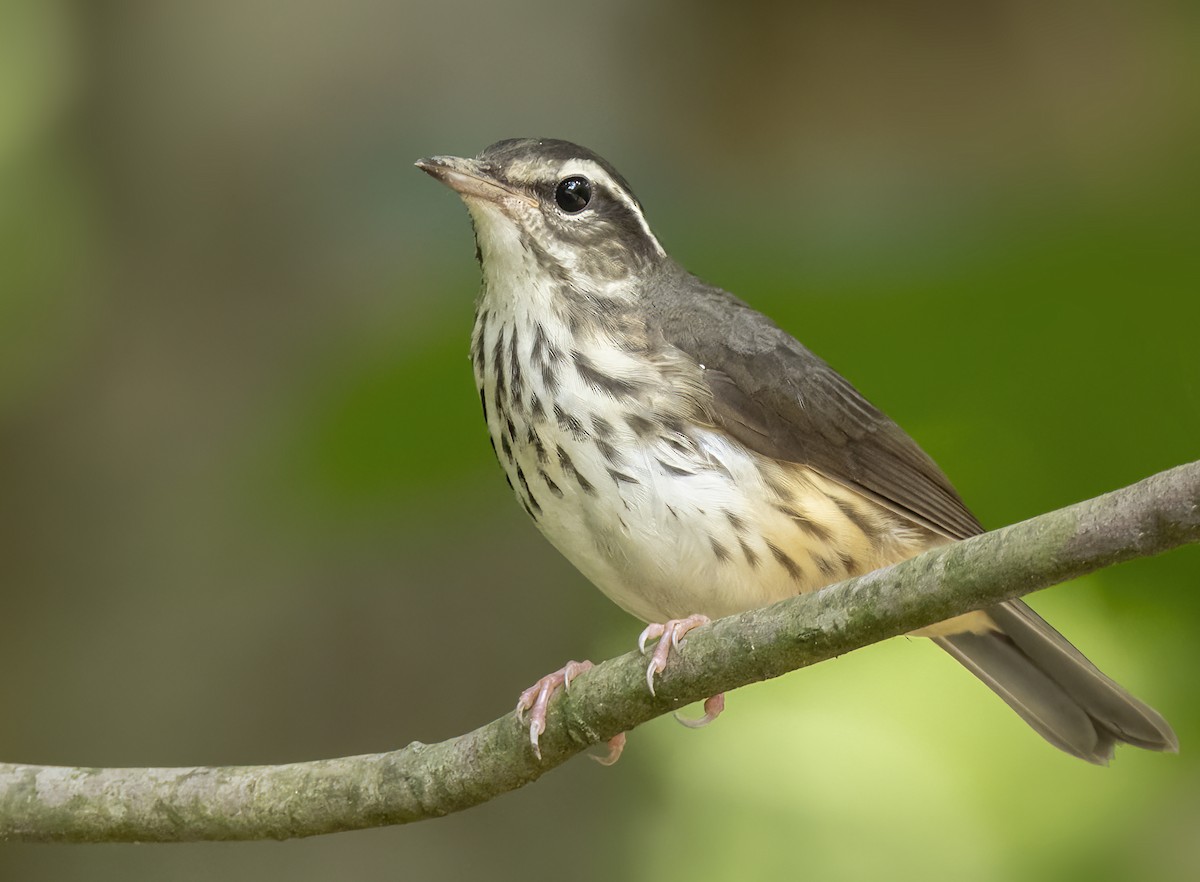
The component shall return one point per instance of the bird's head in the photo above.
(556, 203)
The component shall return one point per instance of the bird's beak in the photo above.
(471, 180)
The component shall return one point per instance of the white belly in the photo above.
(666, 517)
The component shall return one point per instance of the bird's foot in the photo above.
(669, 635)
(536, 698)
(615, 745)
(712, 709)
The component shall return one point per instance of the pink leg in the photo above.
(670, 635)
(536, 698)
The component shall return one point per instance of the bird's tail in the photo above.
(1062, 695)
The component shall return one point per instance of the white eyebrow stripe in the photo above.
(595, 172)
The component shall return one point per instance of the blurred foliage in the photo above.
(381, 412)
(249, 512)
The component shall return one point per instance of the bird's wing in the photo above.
(773, 395)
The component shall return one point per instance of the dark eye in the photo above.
(573, 194)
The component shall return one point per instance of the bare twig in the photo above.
(50, 803)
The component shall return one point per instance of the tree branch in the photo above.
(50, 803)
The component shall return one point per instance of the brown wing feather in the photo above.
(782, 401)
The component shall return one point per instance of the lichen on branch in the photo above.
(54, 803)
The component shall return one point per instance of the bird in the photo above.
(694, 460)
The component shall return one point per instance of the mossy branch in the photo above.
(50, 803)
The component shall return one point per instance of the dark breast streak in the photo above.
(556, 453)
(518, 372)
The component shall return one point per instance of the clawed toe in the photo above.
(536, 698)
(712, 709)
(669, 635)
(615, 745)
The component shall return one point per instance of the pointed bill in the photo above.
(470, 179)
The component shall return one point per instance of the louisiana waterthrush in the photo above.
(692, 459)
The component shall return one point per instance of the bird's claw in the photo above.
(615, 745)
(536, 698)
(669, 635)
(712, 709)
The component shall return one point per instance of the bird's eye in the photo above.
(573, 194)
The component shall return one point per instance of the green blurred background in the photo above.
(248, 512)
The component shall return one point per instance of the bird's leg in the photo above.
(535, 699)
(669, 635)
